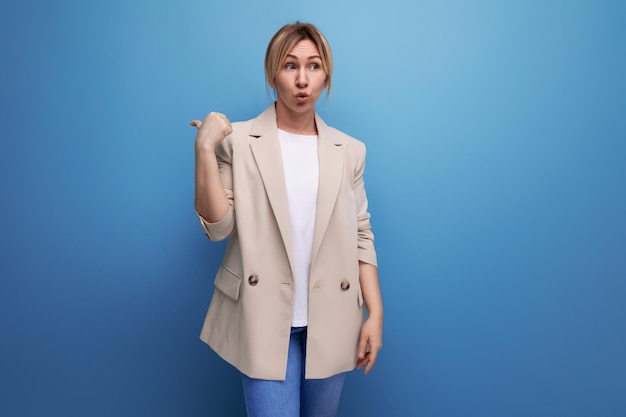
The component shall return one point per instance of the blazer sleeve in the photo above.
(223, 228)
(366, 250)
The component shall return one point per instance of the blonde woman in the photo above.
(299, 271)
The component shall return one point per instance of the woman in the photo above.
(287, 191)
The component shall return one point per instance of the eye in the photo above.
(290, 66)
(314, 66)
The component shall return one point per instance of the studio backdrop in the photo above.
(496, 139)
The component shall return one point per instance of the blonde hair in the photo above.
(283, 42)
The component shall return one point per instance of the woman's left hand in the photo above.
(370, 343)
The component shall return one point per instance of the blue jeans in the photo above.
(295, 396)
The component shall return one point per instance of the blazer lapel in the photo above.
(265, 147)
(331, 157)
(266, 150)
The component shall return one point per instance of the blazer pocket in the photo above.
(228, 282)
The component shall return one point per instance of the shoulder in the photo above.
(242, 127)
(240, 133)
(352, 144)
(255, 127)
(335, 135)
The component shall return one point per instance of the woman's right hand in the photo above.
(211, 131)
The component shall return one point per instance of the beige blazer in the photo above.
(249, 318)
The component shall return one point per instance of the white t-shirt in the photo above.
(299, 154)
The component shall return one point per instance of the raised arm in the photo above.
(211, 201)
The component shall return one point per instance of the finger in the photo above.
(362, 350)
(362, 361)
(196, 123)
(370, 363)
(368, 366)
(372, 356)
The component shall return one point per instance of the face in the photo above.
(301, 79)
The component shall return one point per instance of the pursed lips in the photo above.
(301, 97)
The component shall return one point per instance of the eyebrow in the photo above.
(311, 57)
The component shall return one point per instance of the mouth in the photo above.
(302, 97)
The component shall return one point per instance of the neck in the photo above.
(295, 122)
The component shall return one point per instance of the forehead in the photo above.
(305, 48)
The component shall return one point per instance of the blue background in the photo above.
(496, 175)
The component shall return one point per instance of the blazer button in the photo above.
(345, 284)
(253, 279)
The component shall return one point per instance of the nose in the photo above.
(301, 79)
